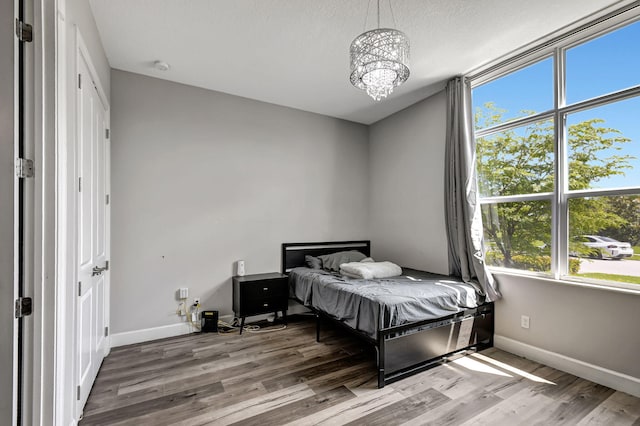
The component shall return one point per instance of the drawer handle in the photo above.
(265, 288)
(266, 304)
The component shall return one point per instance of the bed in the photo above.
(414, 321)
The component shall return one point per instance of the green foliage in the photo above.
(627, 207)
(521, 161)
(587, 165)
(539, 263)
(574, 266)
(528, 221)
(612, 277)
(532, 263)
(516, 161)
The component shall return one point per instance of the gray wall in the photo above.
(407, 226)
(201, 179)
(593, 325)
(407, 177)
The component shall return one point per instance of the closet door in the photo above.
(92, 232)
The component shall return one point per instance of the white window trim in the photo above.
(556, 47)
(617, 287)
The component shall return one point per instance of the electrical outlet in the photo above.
(181, 311)
(524, 321)
(196, 300)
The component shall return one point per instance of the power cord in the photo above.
(225, 327)
(256, 329)
(190, 312)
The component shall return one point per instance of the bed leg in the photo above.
(380, 366)
(318, 328)
(381, 358)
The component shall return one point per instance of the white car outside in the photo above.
(605, 247)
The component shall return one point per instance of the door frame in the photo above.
(43, 232)
(40, 232)
(48, 394)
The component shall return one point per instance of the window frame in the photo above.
(556, 48)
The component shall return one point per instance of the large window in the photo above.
(558, 159)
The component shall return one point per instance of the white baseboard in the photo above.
(144, 335)
(155, 333)
(597, 374)
(147, 334)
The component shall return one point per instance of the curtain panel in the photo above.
(462, 206)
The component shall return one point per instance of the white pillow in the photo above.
(370, 270)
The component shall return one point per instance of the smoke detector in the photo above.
(161, 65)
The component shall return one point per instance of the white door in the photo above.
(8, 247)
(93, 227)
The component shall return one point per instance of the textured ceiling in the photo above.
(295, 52)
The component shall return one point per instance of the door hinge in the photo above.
(24, 168)
(106, 133)
(106, 199)
(79, 184)
(79, 81)
(24, 307)
(24, 31)
(106, 331)
(79, 288)
(78, 393)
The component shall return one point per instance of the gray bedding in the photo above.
(369, 305)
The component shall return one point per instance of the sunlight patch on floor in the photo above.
(511, 369)
(472, 364)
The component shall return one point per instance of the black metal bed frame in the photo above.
(410, 348)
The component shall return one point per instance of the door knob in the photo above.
(98, 270)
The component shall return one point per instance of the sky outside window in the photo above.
(604, 65)
(518, 94)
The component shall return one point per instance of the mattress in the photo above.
(372, 305)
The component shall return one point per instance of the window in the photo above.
(558, 159)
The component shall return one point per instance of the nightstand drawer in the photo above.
(263, 305)
(259, 290)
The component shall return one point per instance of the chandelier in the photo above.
(379, 60)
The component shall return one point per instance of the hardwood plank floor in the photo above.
(285, 377)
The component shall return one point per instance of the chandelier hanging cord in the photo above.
(393, 18)
(366, 16)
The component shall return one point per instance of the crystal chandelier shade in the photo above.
(379, 61)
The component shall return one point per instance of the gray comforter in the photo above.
(369, 305)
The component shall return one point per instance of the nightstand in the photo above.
(260, 294)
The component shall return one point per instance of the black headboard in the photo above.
(293, 253)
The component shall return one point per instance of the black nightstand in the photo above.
(260, 294)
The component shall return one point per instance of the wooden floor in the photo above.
(285, 377)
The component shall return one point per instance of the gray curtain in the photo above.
(463, 214)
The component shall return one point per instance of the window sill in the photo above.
(617, 287)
